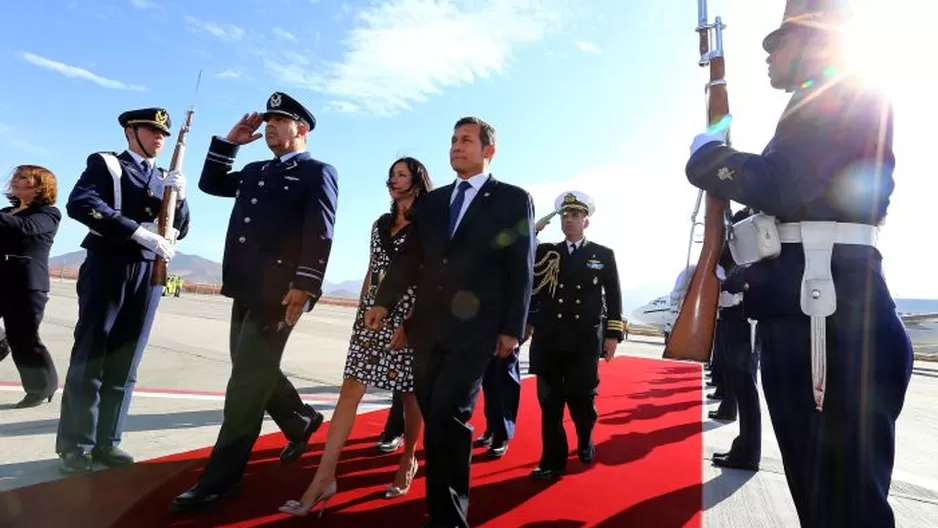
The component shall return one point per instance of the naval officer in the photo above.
(118, 197)
(576, 318)
(276, 250)
(836, 359)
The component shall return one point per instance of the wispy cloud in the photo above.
(77, 73)
(402, 51)
(285, 35)
(145, 4)
(588, 47)
(11, 137)
(229, 74)
(225, 32)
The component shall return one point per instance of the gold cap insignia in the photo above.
(570, 198)
(161, 118)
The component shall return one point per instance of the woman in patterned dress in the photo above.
(378, 358)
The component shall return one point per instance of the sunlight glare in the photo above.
(875, 44)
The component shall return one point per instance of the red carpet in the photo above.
(647, 473)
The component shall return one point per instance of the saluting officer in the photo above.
(118, 198)
(278, 243)
(576, 318)
(836, 359)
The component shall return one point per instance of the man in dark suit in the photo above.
(471, 253)
(118, 198)
(276, 250)
(576, 316)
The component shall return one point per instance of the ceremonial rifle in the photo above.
(167, 216)
(693, 330)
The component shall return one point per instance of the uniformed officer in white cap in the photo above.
(576, 319)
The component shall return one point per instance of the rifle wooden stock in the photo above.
(693, 330)
(167, 216)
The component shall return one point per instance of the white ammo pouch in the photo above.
(818, 297)
(755, 238)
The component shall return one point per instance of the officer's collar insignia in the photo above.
(725, 174)
(290, 165)
(161, 118)
(275, 100)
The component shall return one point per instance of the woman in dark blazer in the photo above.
(27, 230)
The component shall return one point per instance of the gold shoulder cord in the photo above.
(547, 272)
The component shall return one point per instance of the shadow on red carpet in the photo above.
(647, 473)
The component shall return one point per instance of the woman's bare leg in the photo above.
(340, 426)
(413, 422)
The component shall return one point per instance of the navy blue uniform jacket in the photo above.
(91, 202)
(281, 226)
(475, 286)
(831, 159)
(25, 241)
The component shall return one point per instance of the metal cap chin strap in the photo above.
(140, 144)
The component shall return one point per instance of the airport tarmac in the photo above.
(180, 392)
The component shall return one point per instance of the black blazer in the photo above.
(25, 241)
(475, 286)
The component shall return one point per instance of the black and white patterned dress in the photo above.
(369, 360)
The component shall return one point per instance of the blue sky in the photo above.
(601, 96)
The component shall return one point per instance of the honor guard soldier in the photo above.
(836, 359)
(733, 347)
(118, 197)
(576, 318)
(278, 243)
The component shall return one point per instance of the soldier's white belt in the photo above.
(760, 237)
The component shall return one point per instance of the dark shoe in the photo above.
(731, 463)
(111, 456)
(497, 449)
(721, 417)
(389, 444)
(32, 400)
(714, 396)
(484, 441)
(546, 474)
(75, 462)
(293, 450)
(197, 497)
(586, 454)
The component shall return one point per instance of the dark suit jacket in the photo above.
(25, 240)
(475, 286)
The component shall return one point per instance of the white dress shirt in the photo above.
(574, 244)
(477, 182)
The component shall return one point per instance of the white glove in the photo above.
(154, 228)
(721, 273)
(155, 243)
(178, 180)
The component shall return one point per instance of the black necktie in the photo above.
(573, 247)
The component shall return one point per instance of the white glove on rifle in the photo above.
(154, 228)
(178, 180)
(155, 243)
(721, 134)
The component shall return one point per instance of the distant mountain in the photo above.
(194, 268)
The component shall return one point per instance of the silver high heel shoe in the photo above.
(392, 491)
(297, 509)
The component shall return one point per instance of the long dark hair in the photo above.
(419, 182)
